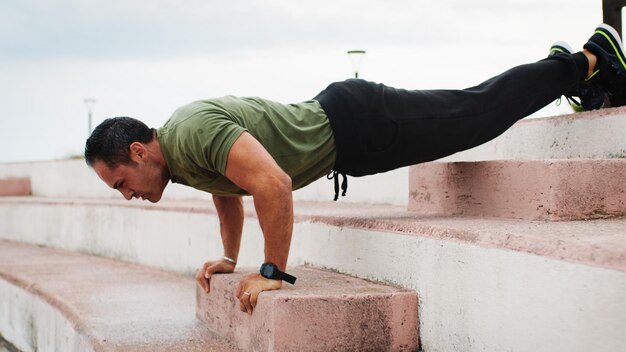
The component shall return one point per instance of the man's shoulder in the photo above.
(195, 111)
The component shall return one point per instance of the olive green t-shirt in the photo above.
(197, 138)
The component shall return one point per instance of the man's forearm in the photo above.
(230, 212)
(274, 207)
(252, 168)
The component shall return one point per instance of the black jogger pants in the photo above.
(379, 128)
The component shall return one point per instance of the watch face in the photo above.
(267, 271)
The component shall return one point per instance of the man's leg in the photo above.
(449, 121)
(379, 128)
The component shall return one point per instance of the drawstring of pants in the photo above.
(344, 185)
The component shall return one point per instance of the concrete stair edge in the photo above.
(15, 186)
(373, 242)
(315, 302)
(572, 241)
(323, 311)
(47, 280)
(556, 189)
(566, 137)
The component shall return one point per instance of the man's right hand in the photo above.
(203, 276)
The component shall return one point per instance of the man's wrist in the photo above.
(270, 271)
(229, 259)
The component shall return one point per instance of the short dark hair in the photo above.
(110, 141)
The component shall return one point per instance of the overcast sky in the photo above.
(144, 58)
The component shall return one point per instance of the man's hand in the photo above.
(250, 287)
(203, 276)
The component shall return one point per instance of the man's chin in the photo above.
(154, 199)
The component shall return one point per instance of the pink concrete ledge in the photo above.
(15, 187)
(116, 306)
(599, 243)
(531, 189)
(323, 312)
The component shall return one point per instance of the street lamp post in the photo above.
(356, 57)
(89, 103)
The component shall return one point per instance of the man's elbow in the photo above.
(271, 183)
(277, 182)
(283, 182)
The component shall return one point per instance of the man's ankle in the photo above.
(592, 61)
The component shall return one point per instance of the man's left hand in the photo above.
(250, 287)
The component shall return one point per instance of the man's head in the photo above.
(126, 155)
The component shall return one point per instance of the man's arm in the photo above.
(230, 213)
(252, 168)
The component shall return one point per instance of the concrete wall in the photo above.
(72, 178)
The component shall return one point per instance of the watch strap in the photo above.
(276, 274)
(287, 278)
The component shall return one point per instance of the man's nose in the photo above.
(127, 193)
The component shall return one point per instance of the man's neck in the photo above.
(157, 152)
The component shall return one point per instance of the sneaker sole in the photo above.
(614, 39)
(561, 47)
(588, 101)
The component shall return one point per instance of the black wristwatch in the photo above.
(270, 271)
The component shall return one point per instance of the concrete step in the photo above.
(119, 306)
(15, 186)
(598, 134)
(156, 234)
(54, 300)
(72, 178)
(323, 311)
(521, 189)
(487, 284)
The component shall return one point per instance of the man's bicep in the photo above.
(250, 166)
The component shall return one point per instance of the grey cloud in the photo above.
(35, 30)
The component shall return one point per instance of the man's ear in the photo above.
(138, 151)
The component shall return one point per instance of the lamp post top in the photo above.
(356, 57)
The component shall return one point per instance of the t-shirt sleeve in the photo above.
(209, 137)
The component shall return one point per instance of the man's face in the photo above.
(143, 180)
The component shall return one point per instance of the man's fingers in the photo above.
(249, 289)
(244, 296)
(209, 269)
(202, 281)
(244, 301)
(253, 298)
(204, 274)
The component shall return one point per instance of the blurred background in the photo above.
(61, 59)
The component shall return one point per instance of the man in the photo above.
(238, 146)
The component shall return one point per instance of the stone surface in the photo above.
(114, 306)
(529, 189)
(15, 186)
(485, 284)
(323, 311)
(180, 235)
(598, 134)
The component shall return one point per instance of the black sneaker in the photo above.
(591, 95)
(610, 72)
